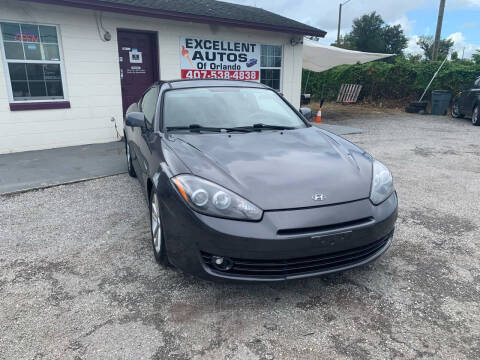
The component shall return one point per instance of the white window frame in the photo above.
(6, 70)
(273, 68)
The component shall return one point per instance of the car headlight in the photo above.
(382, 183)
(212, 199)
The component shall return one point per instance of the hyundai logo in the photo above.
(319, 197)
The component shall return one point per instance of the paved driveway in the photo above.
(44, 168)
(78, 280)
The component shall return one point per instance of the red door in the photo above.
(138, 64)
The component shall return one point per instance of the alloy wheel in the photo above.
(156, 225)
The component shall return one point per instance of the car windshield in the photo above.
(227, 108)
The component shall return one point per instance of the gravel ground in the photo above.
(78, 279)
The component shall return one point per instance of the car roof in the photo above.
(198, 83)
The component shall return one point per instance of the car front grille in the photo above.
(298, 266)
(337, 226)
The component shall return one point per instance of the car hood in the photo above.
(279, 169)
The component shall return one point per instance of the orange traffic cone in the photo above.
(318, 118)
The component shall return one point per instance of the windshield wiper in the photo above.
(198, 128)
(192, 127)
(272, 127)
(259, 127)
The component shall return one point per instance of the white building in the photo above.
(70, 67)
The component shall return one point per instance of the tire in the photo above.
(131, 170)
(416, 107)
(476, 116)
(456, 110)
(156, 231)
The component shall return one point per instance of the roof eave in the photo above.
(133, 10)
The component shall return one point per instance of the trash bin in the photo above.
(440, 101)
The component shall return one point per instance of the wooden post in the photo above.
(436, 44)
(339, 21)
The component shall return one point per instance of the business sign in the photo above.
(219, 59)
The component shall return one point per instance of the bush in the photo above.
(402, 80)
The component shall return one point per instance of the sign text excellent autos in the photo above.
(235, 59)
(218, 50)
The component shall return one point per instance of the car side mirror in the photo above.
(135, 119)
(306, 112)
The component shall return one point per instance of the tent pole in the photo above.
(306, 81)
(433, 78)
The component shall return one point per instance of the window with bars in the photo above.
(33, 62)
(271, 66)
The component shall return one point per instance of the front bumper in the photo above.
(284, 244)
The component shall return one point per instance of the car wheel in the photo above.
(156, 229)
(131, 170)
(476, 116)
(456, 110)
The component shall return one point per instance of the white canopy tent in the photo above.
(318, 57)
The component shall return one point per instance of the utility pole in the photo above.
(436, 44)
(340, 20)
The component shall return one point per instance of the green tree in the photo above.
(370, 33)
(394, 39)
(426, 43)
(413, 58)
(476, 57)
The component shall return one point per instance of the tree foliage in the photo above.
(371, 34)
(476, 57)
(403, 79)
(426, 43)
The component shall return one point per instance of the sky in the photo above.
(461, 21)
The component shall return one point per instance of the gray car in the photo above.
(467, 103)
(241, 187)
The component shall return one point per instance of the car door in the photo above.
(148, 106)
(472, 97)
(466, 100)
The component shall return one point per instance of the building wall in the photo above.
(93, 78)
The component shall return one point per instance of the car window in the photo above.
(227, 107)
(149, 104)
(477, 83)
(270, 103)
